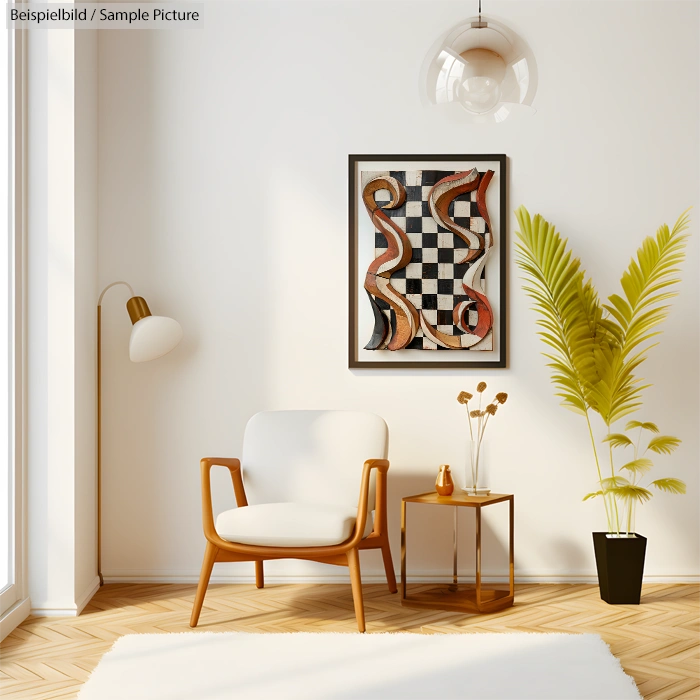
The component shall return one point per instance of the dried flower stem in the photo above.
(476, 432)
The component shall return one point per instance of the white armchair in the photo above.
(310, 497)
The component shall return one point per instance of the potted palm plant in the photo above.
(594, 352)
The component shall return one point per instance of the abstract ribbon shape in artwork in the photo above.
(479, 245)
(397, 255)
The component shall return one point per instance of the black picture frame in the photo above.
(355, 289)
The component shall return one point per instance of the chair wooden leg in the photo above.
(259, 575)
(207, 565)
(389, 567)
(356, 581)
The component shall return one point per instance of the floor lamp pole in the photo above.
(99, 444)
(99, 425)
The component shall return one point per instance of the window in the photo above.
(11, 423)
(6, 471)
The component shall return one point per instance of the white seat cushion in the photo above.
(289, 524)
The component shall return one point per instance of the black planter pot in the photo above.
(620, 562)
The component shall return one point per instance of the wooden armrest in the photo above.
(234, 467)
(230, 462)
(382, 466)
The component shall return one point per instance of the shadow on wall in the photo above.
(569, 554)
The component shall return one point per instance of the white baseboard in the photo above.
(165, 576)
(54, 612)
(70, 611)
(17, 614)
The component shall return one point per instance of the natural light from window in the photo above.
(6, 510)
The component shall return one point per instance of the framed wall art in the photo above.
(427, 261)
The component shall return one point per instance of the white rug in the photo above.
(240, 666)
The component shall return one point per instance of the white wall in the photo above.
(62, 260)
(86, 145)
(223, 200)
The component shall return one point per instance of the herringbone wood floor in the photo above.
(657, 642)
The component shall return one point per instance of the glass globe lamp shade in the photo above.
(481, 70)
(152, 337)
(482, 76)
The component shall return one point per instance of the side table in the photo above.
(455, 596)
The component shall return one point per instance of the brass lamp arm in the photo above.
(114, 284)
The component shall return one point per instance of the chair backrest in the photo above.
(311, 456)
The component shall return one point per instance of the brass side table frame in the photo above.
(461, 598)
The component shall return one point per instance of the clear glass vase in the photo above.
(475, 478)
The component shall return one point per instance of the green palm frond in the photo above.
(638, 466)
(570, 313)
(647, 283)
(618, 391)
(670, 485)
(613, 482)
(595, 356)
(651, 427)
(663, 444)
(618, 440)
(632, 492)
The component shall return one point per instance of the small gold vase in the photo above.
(444, 484)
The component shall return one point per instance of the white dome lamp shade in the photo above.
(151, 336)
(481, 71)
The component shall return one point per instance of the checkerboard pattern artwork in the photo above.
(432, 280)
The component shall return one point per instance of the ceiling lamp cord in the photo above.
(479, 11)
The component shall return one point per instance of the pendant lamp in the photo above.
(480, 70)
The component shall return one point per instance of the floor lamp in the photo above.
(151, 338)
